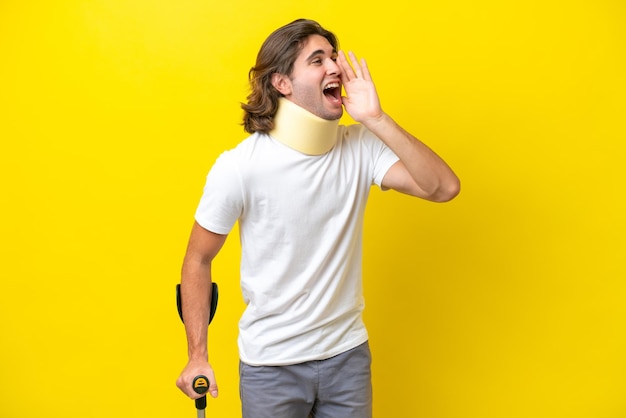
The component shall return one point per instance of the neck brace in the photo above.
(301, 130)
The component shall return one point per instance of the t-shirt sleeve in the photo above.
(382, 156)
(221, 202)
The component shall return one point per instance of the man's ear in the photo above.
(282, 83)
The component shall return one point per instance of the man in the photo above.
(298, 187)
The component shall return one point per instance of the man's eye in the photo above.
(317, 61)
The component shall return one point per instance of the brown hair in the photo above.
(277, 55)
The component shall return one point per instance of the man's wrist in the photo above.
(198, 354)
(378, 124)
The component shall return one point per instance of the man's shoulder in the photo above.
(245, 146)
(355, 134)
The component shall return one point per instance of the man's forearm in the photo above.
(195, 294)
(431, 173)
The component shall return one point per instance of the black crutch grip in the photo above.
(201, 403)
(201, 385)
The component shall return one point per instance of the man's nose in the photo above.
(332, 68)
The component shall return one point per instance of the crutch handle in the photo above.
(201, 386)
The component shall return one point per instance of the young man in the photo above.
(298, 187)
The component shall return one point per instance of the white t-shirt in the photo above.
(300, 222)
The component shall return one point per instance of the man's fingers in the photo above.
(365, 70)
(185, 383)
(356, 64)
(213, 391)
(348, 71)
(354, 68)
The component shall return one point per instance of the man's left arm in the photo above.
(420, 171)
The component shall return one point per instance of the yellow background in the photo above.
(508, 302)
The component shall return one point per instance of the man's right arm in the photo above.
(195, 291)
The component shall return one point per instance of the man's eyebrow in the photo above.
(319, 52)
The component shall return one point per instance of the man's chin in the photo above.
(335, 114)
(339, 115)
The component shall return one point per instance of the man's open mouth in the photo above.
(332, 91)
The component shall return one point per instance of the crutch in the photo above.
(200, 383)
